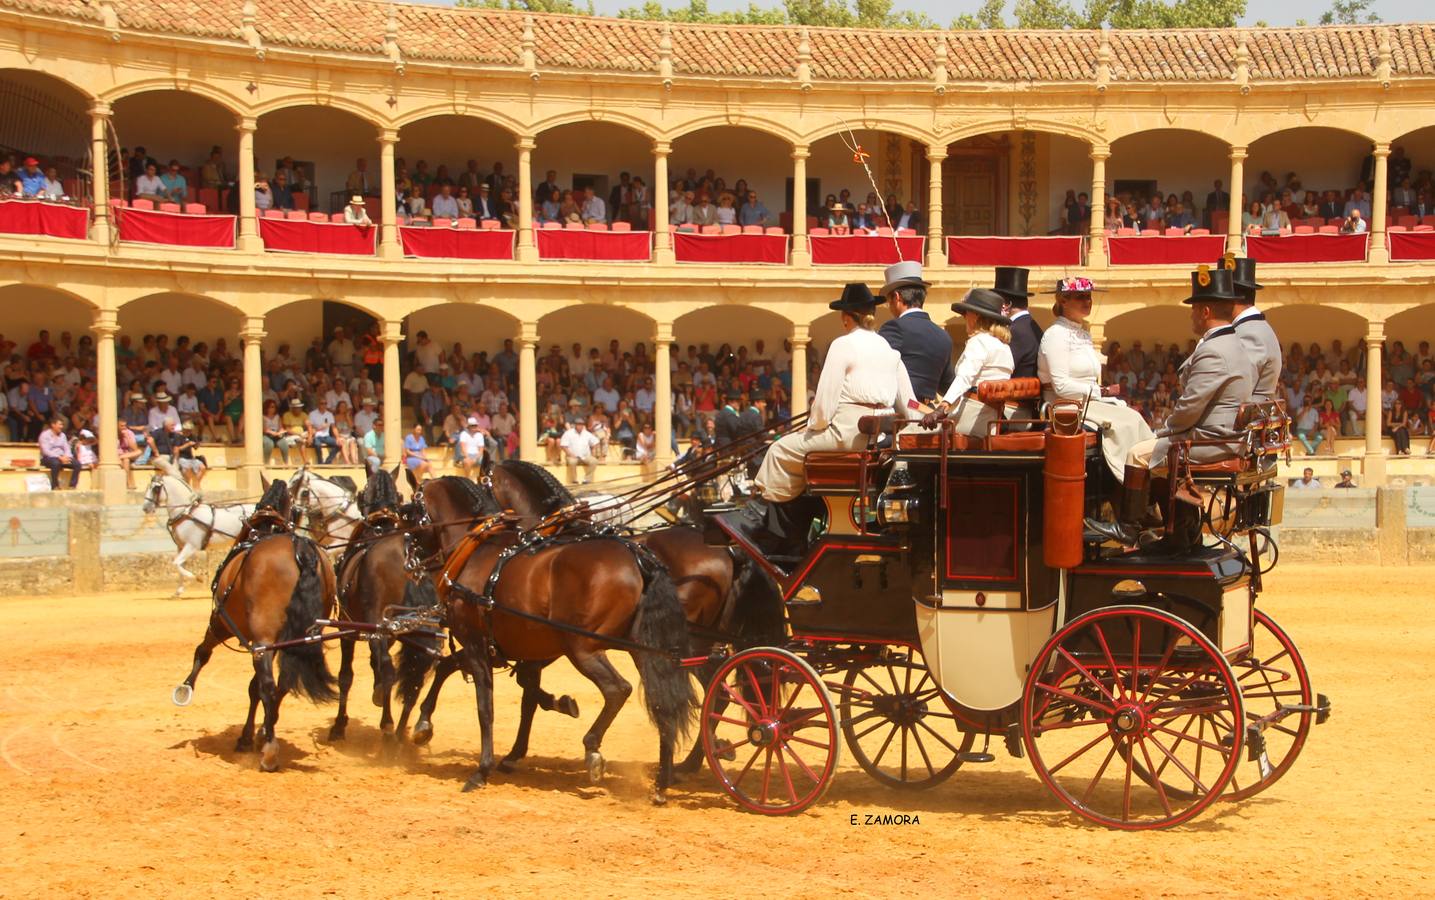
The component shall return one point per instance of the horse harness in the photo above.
(377, 524)
(187, 515)
(262, 525)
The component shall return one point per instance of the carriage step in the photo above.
(1013, 741)
(1255, 742)
(1322, 708)
(974, 757)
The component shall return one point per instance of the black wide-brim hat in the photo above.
(1010, 282)
(856, 298)
(984, 303)
(1243, 271)
(1211, 285)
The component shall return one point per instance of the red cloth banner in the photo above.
(457, 243)
(294, 236)
(49, 219)
(864, 250)
(1306, 248)
(147, 226)
(1409, 245)
(1184, 250)
(1055, 250)
(730, 248)
(607, 246)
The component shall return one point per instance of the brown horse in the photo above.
(510, 597)
(270, 590)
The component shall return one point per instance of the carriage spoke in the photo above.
(1106, 649)
(1156, 782)
(1126, 792)
(786, 775)
(922, 749)
(1195, 781)
(1101, 770)
(877, 760)
(797, 759)
(1077, 698)
(1084, 671)
(1087, 746)
(766, 774)
(933, 733)
(1158, 671)
(761, 701)
(736, 696)
(1135, 657)
(1196, 740)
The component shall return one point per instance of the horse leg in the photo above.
(346, 680)
(615, 690)
(184, 554)
(694, 760)
(383, 666)
(528, 674)
(184, 692)
(423, 728)
(269, 694)
(246, 734)
(482, 672)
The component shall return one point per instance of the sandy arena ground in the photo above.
(107, 789)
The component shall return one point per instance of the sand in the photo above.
(107, 789)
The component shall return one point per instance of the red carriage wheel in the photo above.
(1273, 675)
(897, 722)
(1128, 690)
(774, 745)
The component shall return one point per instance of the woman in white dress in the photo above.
(986, 357)
(1070, 369)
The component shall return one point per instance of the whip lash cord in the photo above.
(859, 156)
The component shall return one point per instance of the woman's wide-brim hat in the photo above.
(1010, 282)
(1211, 285)
(1075, 285)
(903, 274)
(983, 302)
(856, 299)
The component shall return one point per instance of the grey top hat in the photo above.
(900, 274)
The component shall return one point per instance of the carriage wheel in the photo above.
(775, 746)
(1130, 686)
(894, 718)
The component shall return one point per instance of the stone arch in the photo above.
(49, 116)
(752, 123)
(586, 152)
(233, 104)
(297, 321)
(201, 318)
(739, 325)
(604, 116)
(477, 326)
(1164, 323)
(1302, 322)
(487, 115)
(324, 101)
(895, 126)
(756, 156)
(996, 126)
(1410, 326)
(324, 140)
(172, 123)
(595, 325)
(1335, 165)
(30, 308)
(447, 140)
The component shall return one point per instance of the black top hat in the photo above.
(984, 303)
(1010, 282)
(1243, 271)
(856, 298)
(1209, 284)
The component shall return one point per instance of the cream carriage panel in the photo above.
(981, 656)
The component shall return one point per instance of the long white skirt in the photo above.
(1121, 429)
(782, 476)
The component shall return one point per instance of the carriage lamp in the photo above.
(898, 503)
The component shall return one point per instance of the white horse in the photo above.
(328, 505)
(192, 523)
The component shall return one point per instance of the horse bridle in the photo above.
(185, 514)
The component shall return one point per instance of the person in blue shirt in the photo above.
(753, 212)
(32, 180)
(414, 447)
(176, 187)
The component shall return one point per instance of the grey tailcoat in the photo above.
(1215, 381)
(1264, 348)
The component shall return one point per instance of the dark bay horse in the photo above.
(270, 589)
(371, 578)
(599, 592)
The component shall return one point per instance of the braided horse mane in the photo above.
(548, 492)
(480, 499)
(379, 493)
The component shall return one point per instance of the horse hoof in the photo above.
(378, 695)
(475, 781)
(182, 695)
(269, 762)
(243, 745)
(596, 767)
(660, 797)
(337, 732)
(423, 733)
(568, 706)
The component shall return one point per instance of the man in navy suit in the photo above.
(1010, 283)
(925, 346)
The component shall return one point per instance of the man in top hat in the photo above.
(1216, 380)
(1255, 332)
(729, 419)
(925, 346)
(1011, 283)
(861, 376)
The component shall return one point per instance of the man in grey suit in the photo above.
(925, 346)
(1255, 332)
(1216, 380)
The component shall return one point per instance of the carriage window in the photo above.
(981, 530)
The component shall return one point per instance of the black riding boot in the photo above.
(1130, 512)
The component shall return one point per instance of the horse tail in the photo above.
(415, 660)
(756, 604)
(667, 690)
(302, 668)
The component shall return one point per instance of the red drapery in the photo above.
(457, 243)
(1186, 250)
(730, 248)
(1408, 245)
(297, 236)
(147, 226)
(1299, 248)
(609, 246)
(39, 217)
(1055, 250)
(864, 250)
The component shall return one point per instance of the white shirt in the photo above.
(172, 380)
(364, 422)
(578, 446)
(1067, 363)
(427, 356)
(161, 418)
(333, 397)
(471, 443)
(1356, 398)
(148, 184)
(196, 376)
(321, 422)
(862, 368)
(985, 358)
(341, 352)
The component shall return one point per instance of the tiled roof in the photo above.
(599, 44)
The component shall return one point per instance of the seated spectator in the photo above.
(32, 180)
(1252, 218)
(416, 206)
(464, 202)
(1310, 209)
(704, 213)
(356, 213)
(372, 444)
(594, 210)
(283, 196)
(296, 425)
(129, 454)
(1358, 202)
(910, 218)
(148, 186)
(485, 205)
(578, 444)
(212, 174)
(725, 213)
(56, 453)
(507, 208)
(837, 219)
(1181, 218)
(344, 435)
(275, 437)
(681, 211)
(1307, 481)
(176, 186)
(1397, 426)
(359, 181)
(1307, 428)
(861, 221)
(1154, 215)
(1274, 220)
(444, 203)
(263, 196)
(1354, 223)
(414, 450)
(192, 466)
(472, 447)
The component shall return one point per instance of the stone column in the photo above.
(801, 253)
(1096, 238)
(248, 225)
(936, 243)
(1379, 194)
(252, 335)
(662, 240)
(528, 448)
(527, 248)
(799, 369)
(1237, 186)
(100, 171)
(1374, 382)
(663, 387)
(111, 477)
(393, 335)
(389, 245)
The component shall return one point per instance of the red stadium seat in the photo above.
(195, 209)
(906, 232)
(1330, 229)
(622, 226)
(492, 224)
(273, 213)
(552, 226)
(776, 231)
(1423, 228)
(571, 226)
(1392, 228)
(688, 229)
(142, 203)
(296, 215)
(1196, 232)
(467, 222)
(1336, 222)
(731, 229)
(819, 232)
(752, 229)
(1315, 222)
(337, 217)
(712, 229)
(597, 226)
(1125, 232)
(1304, 229)
(811, 222)
(1408, 221)
(442, 222)
(170, 207)
(1175, 232)
(884, 231)
(209, 197)
(1428, 220)
(318, 217)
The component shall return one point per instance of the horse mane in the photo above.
(276, 497)
(548, 492)
(480, 499)
(379, 493)
(343, 481)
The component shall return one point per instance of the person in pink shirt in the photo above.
(55, 454)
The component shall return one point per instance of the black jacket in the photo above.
(926, 350)
(728, 426)
(1025, 341)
